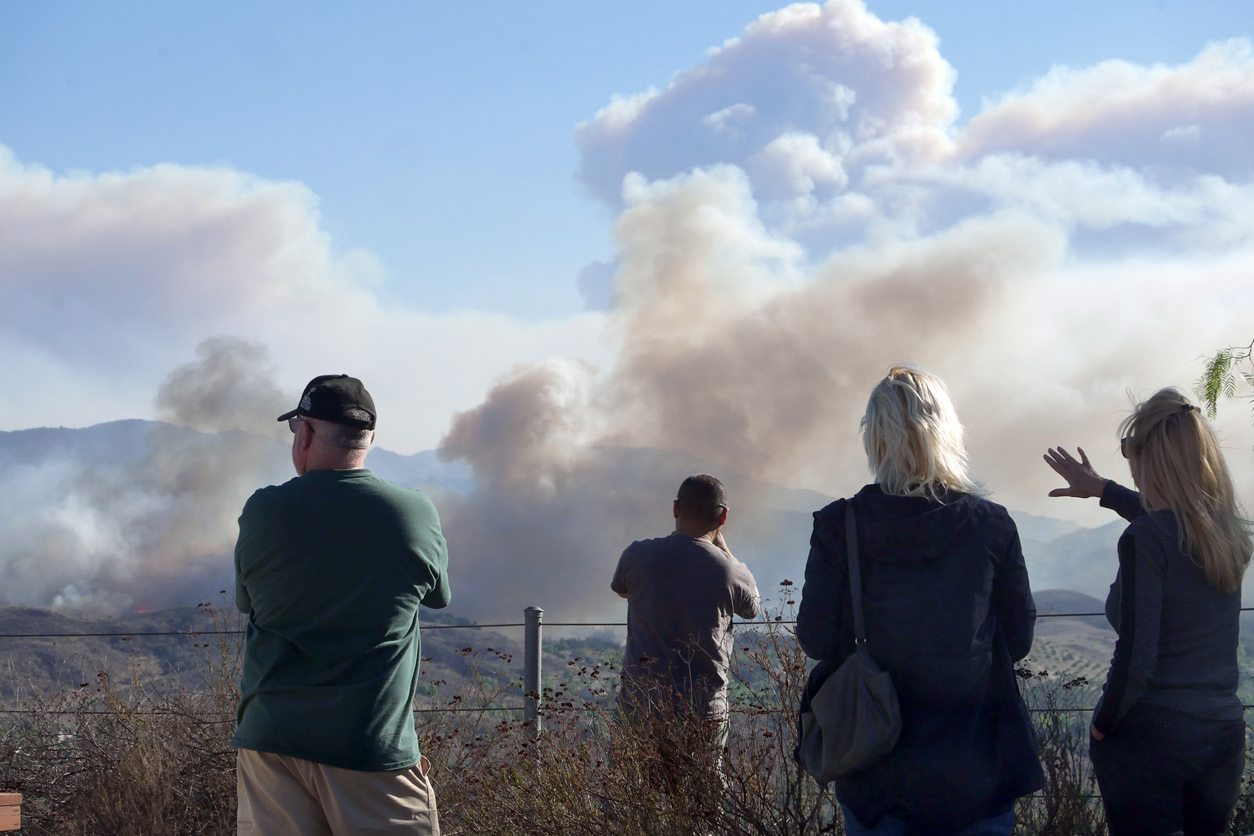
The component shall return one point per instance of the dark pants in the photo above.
(894, 825)
(1164, 771)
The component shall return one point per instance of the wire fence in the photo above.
(132, 634)
(532, 704)
(129, 634)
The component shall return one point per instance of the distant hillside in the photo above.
(1035, 535)
(39, 666)
(1071, 647)
(1036, 529)
(1052, 603)
(455, 655)
(125, 443)
(1085, 560)
(31, 667)
(116, 442)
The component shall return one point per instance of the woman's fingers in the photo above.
(1082, 480)
(1063, 456)
(1060, 461)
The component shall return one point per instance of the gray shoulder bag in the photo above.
(853, 720)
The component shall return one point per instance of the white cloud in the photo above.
(110, 280)
(1185, 133)
(844, 125)
(873, 91)
(794, 164)
(726, 120)
(1115, 112)
(1190, 211)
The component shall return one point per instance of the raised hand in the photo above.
(1082, 480)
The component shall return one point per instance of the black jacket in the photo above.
(947, 608)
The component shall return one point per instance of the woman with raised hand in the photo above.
(947, 610)
(1168, 735)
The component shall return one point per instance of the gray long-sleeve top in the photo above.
(1178, 634)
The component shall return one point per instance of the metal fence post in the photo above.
(533, 617)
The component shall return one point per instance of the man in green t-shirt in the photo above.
(330, 568)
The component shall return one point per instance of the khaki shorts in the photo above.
(284, 796)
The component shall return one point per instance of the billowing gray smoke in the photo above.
(153, 524)
(546, 511)
(229, 388)
(572, 466)
(802, 211)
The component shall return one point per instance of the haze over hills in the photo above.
(134, 515)
(138, 515)
(120, 444)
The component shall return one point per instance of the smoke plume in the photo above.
(98, 538)
(801, 211)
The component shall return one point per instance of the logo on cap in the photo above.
(339, 399)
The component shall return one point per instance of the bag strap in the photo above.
(855, 574)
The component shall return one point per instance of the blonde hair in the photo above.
(1179, 460)
(913, 439)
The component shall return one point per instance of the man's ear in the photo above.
(306, 440)
(722, 516)
(675, 508)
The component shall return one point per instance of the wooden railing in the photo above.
(10, 811)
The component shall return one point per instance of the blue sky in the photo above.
(439, 137)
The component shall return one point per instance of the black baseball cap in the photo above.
(337, 398)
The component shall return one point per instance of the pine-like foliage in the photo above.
(1219, 377)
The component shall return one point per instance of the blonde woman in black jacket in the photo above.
(948, 610)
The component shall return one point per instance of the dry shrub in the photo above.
(123, 759)
(1243, 818)
(585, 773)
(589, 770)
(1069, 803)
(127, 760)
(152, 764)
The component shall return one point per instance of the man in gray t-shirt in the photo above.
(681, 592)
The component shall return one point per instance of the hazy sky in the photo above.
(429, 194)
